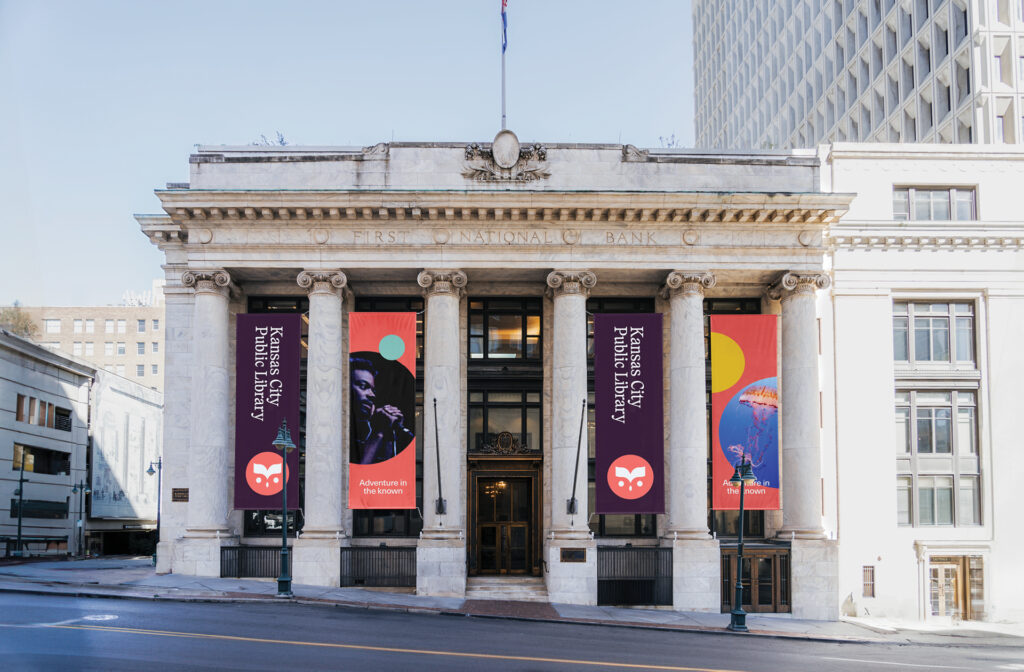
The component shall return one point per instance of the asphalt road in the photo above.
(39, 632)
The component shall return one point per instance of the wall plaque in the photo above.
(574, 555)
(179, 494)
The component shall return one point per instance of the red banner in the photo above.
(382, 396)
(744, 409)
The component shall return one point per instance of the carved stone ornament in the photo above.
(689, 282)
(503, 443)
(442, 282)
(381, 149)
(322, 282)
(793, 284)
(209, 282)
(632, 153)
(506, 161)
(571, 282)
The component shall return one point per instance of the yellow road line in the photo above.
(385, 649)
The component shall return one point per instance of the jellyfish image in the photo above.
(749, 429)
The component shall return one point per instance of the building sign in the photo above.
(179, 494)
(382, 397)
(744, 409)
(628, 409)
(267, 401)
(126, 437)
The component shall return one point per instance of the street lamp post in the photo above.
(159, 492)
(284, 443)
(738, 618)
(20, 492)
(81, 490)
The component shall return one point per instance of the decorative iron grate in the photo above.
(634, 576)
(391, 566)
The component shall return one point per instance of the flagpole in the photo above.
(503, 43)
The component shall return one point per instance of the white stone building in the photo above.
(802, 72)
(547, 239)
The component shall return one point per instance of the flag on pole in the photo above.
(504, 25)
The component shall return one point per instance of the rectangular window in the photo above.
(62, 419)
(141, 326)
(869, 581)
(122, 326)
(140, 348)
(108, 326)
(51, 326)
(90, 326)
(41, 460)
(968, 502)
(76, 348)
(156, 369)
(140, 370)
(156, 325)
(121, 347)
(942, 332)
(935, 500)
(77, 326)
(21, 410)
(504, 329)
(90, 349)
(32, 401)
(108, 349)
(904, 497)
(37, 508)
(933, 204)
(156, 347)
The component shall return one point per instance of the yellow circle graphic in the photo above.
(727, 362)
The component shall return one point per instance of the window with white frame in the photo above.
(933, 203)
(140, 348)
(108, 326)
(77, 326)
(90, 348)
(141, 326)
(51, 326)
(938, 468)
(76, 348)
(140, 370)
(156, 369)
(156, 325)
(156, 347)
(121, 348)
(90, 326)
(108, 348)
(122, 326)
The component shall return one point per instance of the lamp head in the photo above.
(74, 490)
(743, 474)
(283, 442)
(150, 471)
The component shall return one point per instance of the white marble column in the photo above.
(695, 555)
(801, 427)
(573, 583)
(317, 558)
(441, 551)
(209, 461)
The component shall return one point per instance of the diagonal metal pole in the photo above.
(440, 506)
(572, 505)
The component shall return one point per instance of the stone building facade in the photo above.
(475, 238)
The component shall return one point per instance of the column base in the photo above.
(696, 574)
(814, 579)
(441, 563)
(198, 552)
(164, 551)
(316, 558)
(571, 582)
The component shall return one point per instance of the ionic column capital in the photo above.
(214, 281)
(442, 282)
(688, 282)
(798, 284)
(562, 283)
(322, 281)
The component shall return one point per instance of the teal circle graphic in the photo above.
(391, 347)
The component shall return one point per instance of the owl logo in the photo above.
(263, 473)
(630, 477)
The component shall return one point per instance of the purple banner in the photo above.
(266, 401)
(628, 382)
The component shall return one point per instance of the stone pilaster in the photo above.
(441, 550)
(814, 560)
(572, 583)
(317, 558)
(209, 472)
(695, 556)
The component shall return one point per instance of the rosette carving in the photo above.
(571, 282)
(322, 282)
(450, 281)
(793, 284)
(689, 282)
(209, 282)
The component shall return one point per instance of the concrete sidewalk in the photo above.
(134, 578)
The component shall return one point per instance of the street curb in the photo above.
(81, 591)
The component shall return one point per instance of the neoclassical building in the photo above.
(506, 253)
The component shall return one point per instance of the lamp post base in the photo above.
(738, 621)
(284, 582)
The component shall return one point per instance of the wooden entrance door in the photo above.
(765, 579)
(504, 514)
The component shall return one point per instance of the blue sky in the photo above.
(102, 102)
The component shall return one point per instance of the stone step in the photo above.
(511, 588)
